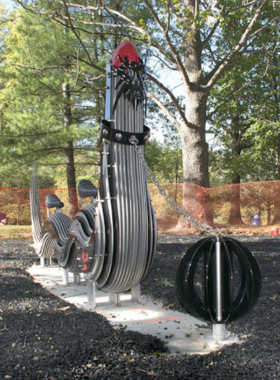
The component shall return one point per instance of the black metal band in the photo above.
(122, 137)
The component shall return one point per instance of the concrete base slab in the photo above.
(182, 333)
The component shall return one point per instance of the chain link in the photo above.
(169, 200)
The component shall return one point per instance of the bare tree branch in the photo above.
(172, 97)
(91, 64)
(173, 56)
(35, 68)
(243, 6)
(212, 32)
(168, 19)
(181, 67)
(75, 32)
(165, 111)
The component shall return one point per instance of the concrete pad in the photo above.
(181, 332)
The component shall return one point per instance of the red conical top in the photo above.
(124, 49)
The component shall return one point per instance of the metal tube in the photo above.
(218, 273)
(65, 277)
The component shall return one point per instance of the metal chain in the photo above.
(169, 200)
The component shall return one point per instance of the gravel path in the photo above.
(43, 337)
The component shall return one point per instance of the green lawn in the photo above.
(15, 232)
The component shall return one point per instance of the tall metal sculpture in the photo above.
(113, 239)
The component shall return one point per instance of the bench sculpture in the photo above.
(113, 239)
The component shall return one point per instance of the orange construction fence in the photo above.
(251, 204)
(241, 205)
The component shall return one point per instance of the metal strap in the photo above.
(123, 137)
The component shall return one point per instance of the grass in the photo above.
(15, 232)
(25, 233)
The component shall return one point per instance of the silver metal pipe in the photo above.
(36, 219)
(219, 280)
(108, 214)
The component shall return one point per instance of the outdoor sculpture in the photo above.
(113, 239)
(218, 280)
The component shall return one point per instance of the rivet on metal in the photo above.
(133, 140)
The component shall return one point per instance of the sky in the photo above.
(7, 3)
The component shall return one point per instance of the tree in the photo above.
(229, 122)
(165, 161)
(183, 36)
(48, 111)
(264, 130)
(238, 98)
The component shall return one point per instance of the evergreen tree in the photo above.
(50, 108)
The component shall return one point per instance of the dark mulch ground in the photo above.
(42, 339)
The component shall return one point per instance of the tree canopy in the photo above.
(39, 83)
(220, 50)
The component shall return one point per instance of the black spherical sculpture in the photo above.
(218, 280)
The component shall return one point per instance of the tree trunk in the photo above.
(268, 208)
(276, 197)
(276, 203)
(194, 146)
(195, 159)
(71, 177)
(235, 202)
(195, 156)
(69, 152)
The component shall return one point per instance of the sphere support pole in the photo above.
(219, 329)
(219, 281)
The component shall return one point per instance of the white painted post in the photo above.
(65, 277)
(91, 291)
(42, 261)
(135, 293)
(219, 331)
(115, 298)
